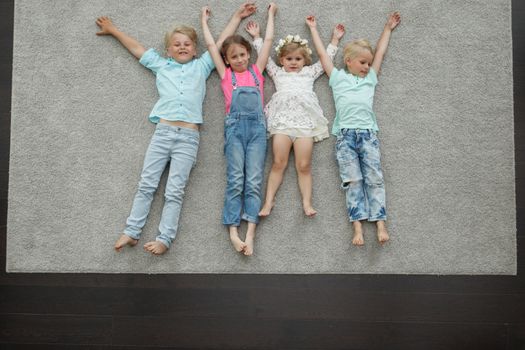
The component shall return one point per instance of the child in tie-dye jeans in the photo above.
(355, 125)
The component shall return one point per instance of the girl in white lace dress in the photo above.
(294, 117)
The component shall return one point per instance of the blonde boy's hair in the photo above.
(291, 47)
(355, 47)
(188, 31)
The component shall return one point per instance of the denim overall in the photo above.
(245, 150)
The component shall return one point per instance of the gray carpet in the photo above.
(444, 106)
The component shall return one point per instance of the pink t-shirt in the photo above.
(243, 79)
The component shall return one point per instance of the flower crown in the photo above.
(293, 39)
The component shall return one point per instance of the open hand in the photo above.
(252, 27)
(339, 31)
(247, 9)
(393, 20)
(311, 22)
(106, 26)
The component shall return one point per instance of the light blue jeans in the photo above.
(175, 145)
(358, 157)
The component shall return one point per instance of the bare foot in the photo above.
(123, 241)
(382, 234)
(266, 209)
(358, 239)
(155, 248)
(238, 244)
(248, 251)
(309, 210)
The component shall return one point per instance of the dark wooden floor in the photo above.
(92, 311)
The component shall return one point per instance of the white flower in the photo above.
(281, 42)
(289, 38)
(309, 51)
(297, 38)
(304, 42)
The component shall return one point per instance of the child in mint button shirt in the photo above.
(181, 83)
(355, 125)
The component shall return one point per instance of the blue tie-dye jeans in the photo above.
(358, 157)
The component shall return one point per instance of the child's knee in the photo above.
(303, 167)
(279, 164)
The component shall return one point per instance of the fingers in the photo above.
(310, 20)
(206, 12)
(103, 22)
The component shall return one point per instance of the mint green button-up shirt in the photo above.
(181, 87)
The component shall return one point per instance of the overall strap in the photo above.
(254, 76)
(234, 80)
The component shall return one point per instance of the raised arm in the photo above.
(210, 43)
(262, 58)
(252, 27)
(108, 28)
(245, 10)
(327, 63)
(338, 32)
(391, 23)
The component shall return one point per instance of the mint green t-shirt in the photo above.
(354, 98)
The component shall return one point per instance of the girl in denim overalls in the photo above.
(355, 125)
(244, 128)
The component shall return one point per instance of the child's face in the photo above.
(182, 48)
(293, 61)
(360, 65)
(237, 57)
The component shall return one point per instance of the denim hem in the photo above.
(250, 219)
(134, 236)
(359, 219)
(377, 219)
(163, 241)
(236, 224)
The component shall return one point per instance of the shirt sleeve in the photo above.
(271, 67)
(333, 77)
(207, 63)
(316, 69)
(152, 60)
(373, 75)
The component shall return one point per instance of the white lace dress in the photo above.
(294, 109)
